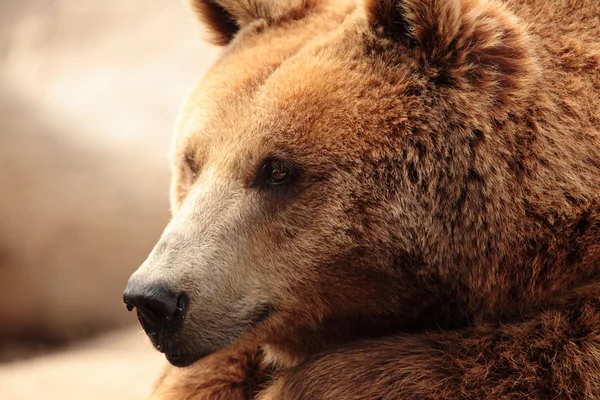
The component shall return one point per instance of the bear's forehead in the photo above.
(300, 93)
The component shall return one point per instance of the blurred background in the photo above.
(89, 93)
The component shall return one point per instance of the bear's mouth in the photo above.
(261, 313)
(177, 355)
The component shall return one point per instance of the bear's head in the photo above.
(338, 174)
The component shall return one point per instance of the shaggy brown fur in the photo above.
(442, 237)
(234, 373)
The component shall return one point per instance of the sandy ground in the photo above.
(116, 366)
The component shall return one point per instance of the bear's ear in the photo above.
(224, 18)
(476, 44)
(220, 23)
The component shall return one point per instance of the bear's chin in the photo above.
(180, 360)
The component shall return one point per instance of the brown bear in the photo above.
(393, 199)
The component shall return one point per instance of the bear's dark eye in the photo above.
(276, 173)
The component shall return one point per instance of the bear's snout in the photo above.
(159, 309)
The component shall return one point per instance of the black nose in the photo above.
(157, 306)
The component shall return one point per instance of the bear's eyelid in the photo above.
(191, 164)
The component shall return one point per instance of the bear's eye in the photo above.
(276, 173)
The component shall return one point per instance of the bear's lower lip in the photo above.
(180, 360)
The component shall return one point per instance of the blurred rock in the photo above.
(88, 94)
(114, 72)
(74, 223)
